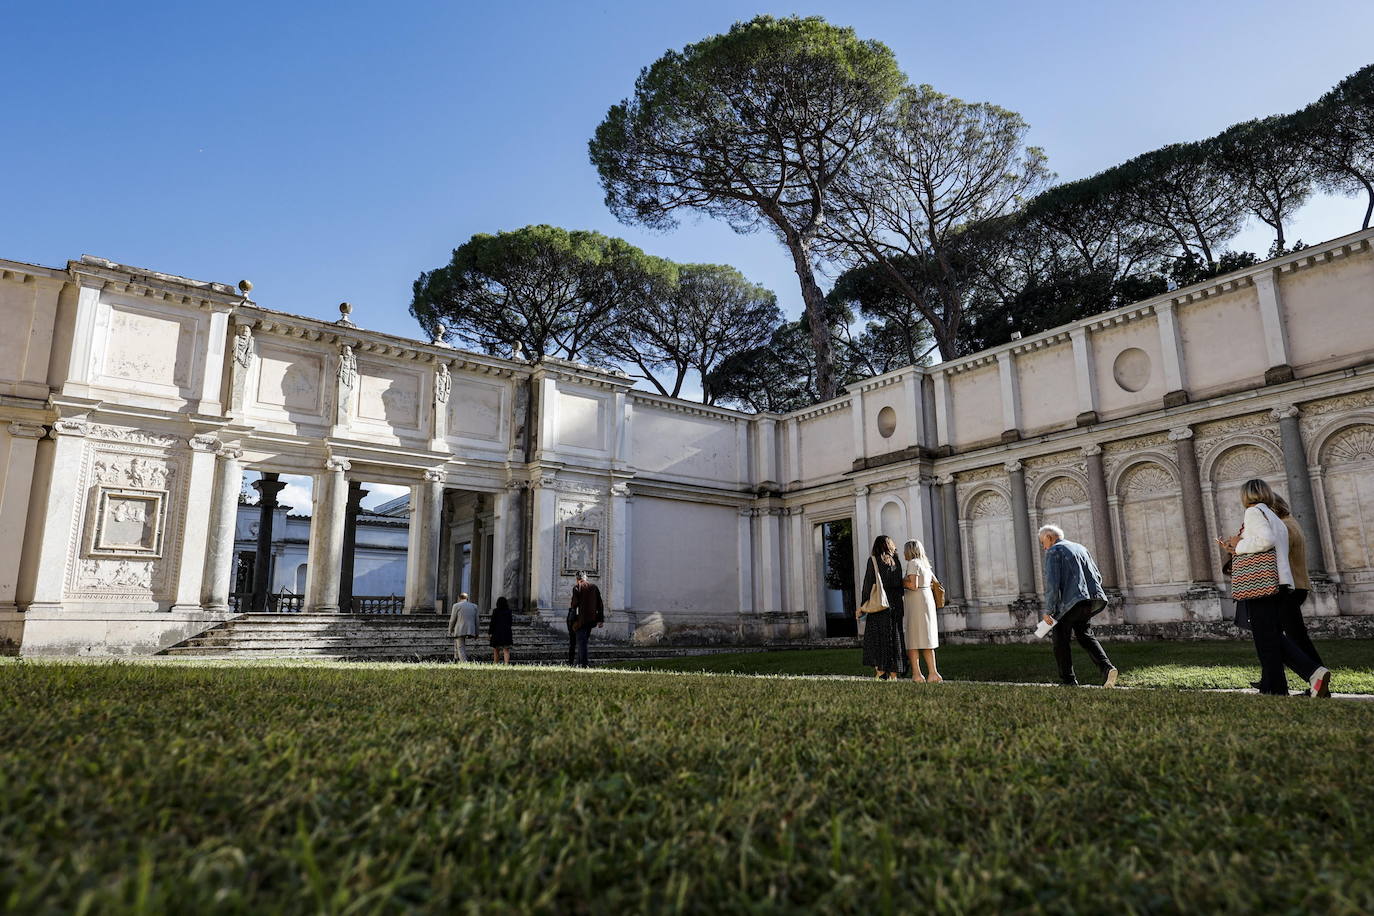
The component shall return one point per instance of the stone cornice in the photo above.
(151, 284)
(20, 272)
(678, 405)
(579, 374)
(821, 409)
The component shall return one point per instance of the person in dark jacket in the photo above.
(587, 611)
(500, 630)
(883, 629)
(1073, 595)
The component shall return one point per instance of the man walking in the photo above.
(586, 612)
(462, 623)
(1073, 594)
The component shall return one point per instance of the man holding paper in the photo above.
(1073, 594)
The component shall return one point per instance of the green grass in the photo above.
(1184, 665)
(334, 788)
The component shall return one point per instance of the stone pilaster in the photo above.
(1021, 525)
(951, 573)
(268, 486)
(745, 548)
(14, 509)
(619, 592)
(326, 538)
(1194, 524)
(1171, 354)
(1275, 336)
(422, 572)
(199, 510)
(218, 577)
(443, 388)
(59, 467)
(1084, 378)
(1300, 498)
(1104, 544)
(1011, 396)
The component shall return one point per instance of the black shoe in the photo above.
(1068, 683)
(1255, 684)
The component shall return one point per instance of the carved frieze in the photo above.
(994, 472)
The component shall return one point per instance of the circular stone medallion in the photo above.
(887, 422)
(1132, 369)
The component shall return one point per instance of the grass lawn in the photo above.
(1214, 664)
(360, 789)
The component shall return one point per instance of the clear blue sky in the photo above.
(333, 151)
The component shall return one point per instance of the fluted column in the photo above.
(1020, 520)
(1195, 526)
(952, 572)
(422, 572)
(326, 538)
(1104, 545)
(218, 577)
(350, 545)
(1300, 498)
(268, 486)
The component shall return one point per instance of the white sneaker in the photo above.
(1321, 682)
(1111, 678)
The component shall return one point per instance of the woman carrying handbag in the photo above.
(882, 609)
(920, 629)
(1262, 577)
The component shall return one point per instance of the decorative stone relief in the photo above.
(1356, 401)
(1113, 453)
(348, 366)
(443, 384)
(1349, 446)
(117, 576)
(1064, 491)
(1348, 458)
(243, 346)
(1212, 435)
(1131, 369)
(132, 436)
(1244, 462)
(1148, 480)
(995, 472)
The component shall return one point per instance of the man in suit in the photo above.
(1073, 594)
(587, 611)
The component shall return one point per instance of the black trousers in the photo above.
(1075, 625)
(1281, 639)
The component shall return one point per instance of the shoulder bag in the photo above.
(1254, 575)
(877, 596)
(937, 591)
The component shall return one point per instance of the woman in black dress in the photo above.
(500, 625)
(883, 630)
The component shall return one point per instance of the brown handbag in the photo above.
(938, 591)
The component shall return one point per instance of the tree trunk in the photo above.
(814, 301)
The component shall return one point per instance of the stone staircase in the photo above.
(402, 637)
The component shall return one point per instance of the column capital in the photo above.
(337, 465)
(204, 442)
(21, 430)
(1088, 451)
(1287, 412)
(945, 480)
(1011, 467)
(70, 427)
(913, 480)
(621, 491)
(230, 452)
(861, 490)
(434, 475)
(1180, 433)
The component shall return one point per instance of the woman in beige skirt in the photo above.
(918, 604)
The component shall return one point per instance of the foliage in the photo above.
(757, 126)
(711, 313)
(139, 788)
(552, 291)
(1340, 130)
(1269, 161)
(943, 167)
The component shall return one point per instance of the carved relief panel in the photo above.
(1152, 533)
(1348, 459)
(129, 514)
(992, 548)
(146, 348)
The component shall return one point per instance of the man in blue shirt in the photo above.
(1073, 594)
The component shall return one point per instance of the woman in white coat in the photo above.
(921, 629)
(1264, 531)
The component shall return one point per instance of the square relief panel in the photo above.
(290, 380)
(389, 397)
(149, 348)
(475, 410)
(128, 523)
(580, 551)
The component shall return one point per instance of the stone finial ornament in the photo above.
(345, 315)
(440, 338)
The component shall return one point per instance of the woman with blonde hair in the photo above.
(919, 623)
(1264, 531)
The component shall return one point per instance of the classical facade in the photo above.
(132, 402)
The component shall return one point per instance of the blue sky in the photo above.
(333, 151)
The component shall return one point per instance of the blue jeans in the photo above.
(582, 636)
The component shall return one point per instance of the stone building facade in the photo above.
(131, 403)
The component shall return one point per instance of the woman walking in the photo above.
(883, 630)
(1294, 627)
(500, 629)
(1263, 531)
(920, 627)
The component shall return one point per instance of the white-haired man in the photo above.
(1073, 594)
